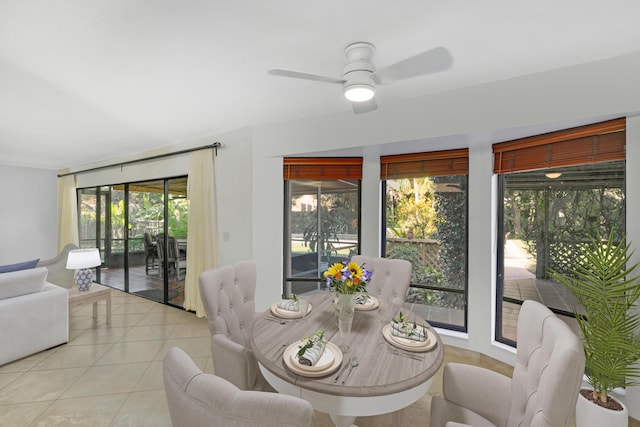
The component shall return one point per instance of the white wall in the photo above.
(232, 179)
(633, 225)
(28, 214)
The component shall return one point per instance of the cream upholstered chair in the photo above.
(544, 388)
(228, 297)
(197, 399)
(391, 277)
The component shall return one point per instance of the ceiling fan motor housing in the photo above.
(357, 73)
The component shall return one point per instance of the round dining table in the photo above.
(385, 380)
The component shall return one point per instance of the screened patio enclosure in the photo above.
(141, 231)
(549, 216)
(322, 227)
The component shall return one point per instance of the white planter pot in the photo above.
(591, 415)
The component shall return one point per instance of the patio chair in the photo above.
(228, 297)
(151, 258)
(542, 392)
(171, 255)
(390, 278)
(197, 399)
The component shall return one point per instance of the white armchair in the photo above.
(391, 277)
(544, 388)
(197, 399)
(228, 297)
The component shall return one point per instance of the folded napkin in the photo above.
(312, 351)
(362, 299)
(289, 304)
(403, 328)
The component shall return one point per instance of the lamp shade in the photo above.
(83, 258)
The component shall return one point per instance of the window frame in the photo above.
(315, 169)
(594, 143)
(421, 165)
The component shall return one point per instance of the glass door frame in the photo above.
(103, 201)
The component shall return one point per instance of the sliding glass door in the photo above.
(146, 222)
(141, 230)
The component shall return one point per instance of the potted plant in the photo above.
(603, 283)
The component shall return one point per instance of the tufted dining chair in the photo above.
(390, 278)
(542, 392)
(196, 399)
(228, 297)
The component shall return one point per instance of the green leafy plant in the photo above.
(604, 285)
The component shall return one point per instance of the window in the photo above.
(425, 217)
(556, 190)
(322, 218)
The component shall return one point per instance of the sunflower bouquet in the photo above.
(347, 277)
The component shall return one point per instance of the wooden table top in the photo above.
(380, 371)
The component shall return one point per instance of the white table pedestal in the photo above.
(343, 410)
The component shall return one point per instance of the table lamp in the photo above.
(82, 260)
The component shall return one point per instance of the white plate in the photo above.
(408, 341)
(371, 304)
(325, 361)
(293, 349)
(287, 314)
(407, 344)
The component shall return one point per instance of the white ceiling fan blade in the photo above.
(431, 61)
(305, 76)
(364, 106)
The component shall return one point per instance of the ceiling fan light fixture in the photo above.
(553, 175)
(359, 92)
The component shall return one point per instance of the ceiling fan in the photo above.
(360, 77)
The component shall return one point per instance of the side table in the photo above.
(93, 295)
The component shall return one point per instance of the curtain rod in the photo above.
(213, 146)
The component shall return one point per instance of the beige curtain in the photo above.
(202, 250)
(67, 212)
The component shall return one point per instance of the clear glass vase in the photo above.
(345, 305)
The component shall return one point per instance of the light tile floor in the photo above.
(111, 375)
(107, 375)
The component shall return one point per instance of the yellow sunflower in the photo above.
(335, 271)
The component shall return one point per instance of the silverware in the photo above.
(399, 352)
(354, 363)
(409, 355)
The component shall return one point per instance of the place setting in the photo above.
(408, 335)
(366, 302)
(313, 356)
(291, 308)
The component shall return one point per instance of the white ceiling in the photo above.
(89, 80)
